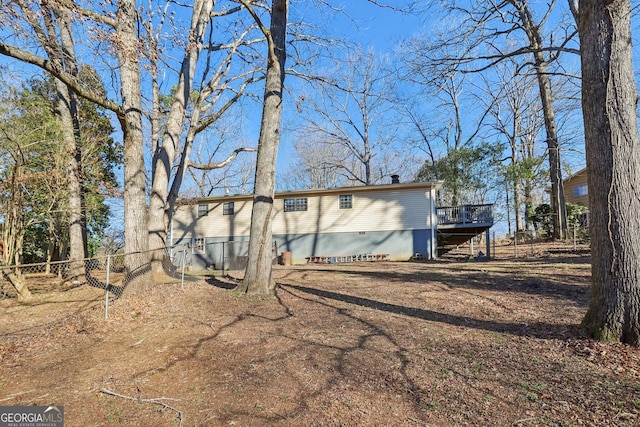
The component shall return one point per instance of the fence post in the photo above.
(494, 245)
(106, 288)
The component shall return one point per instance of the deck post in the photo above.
(488, 239)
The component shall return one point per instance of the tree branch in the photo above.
(72, 6)
(61, 75)
(211, 166)
(155, 401)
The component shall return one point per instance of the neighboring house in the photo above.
(395, 219)
(576, 189)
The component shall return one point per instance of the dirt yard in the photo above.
(450, 343)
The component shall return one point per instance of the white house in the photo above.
(395, 219)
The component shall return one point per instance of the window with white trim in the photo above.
(227, 208)
(295, 205)
(346, 201)
(203, 210)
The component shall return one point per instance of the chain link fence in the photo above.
(525, 244)
(201, 255)
(105, 272)
(196, 258)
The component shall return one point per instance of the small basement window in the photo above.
(198, 245)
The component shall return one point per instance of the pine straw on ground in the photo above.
(448, 343)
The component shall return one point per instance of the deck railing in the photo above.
(465, 214)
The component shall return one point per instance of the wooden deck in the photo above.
(459, 224)
(465, 216)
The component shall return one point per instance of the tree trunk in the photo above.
(528, 205)
(516, 206)
(534, 35)
(135, 208)
(67, 108)
(513, 143)
(18, 282)
(258, 278)
(165, 153)
(613, 159)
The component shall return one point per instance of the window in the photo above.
(346, 201)
(580, 190)
(297, 204)
(197, 245)
(203, 210)
(227, 208)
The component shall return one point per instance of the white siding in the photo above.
(404, 208)
(371, 211)
(187, 223)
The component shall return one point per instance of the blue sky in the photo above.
(371, 26)
(380, 27)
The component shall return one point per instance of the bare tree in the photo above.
(231, 175)
(52, 28)
(316, 164)
(188, 115)
(171, 159)
(58, 22)
(351, 108)
(516, 116)
(609, 98)
(449, 133)
(490, 32)
(258, 279)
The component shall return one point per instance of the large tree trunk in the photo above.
(67, 109)
(77, 222)
(613, 159)
(258, 278)
(58, 24)
(135, 208)
(165, 153)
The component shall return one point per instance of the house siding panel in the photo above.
(580, 178)
(371, 211)
(186, 222)
(393, 220)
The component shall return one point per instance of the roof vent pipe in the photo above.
(395, 179)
